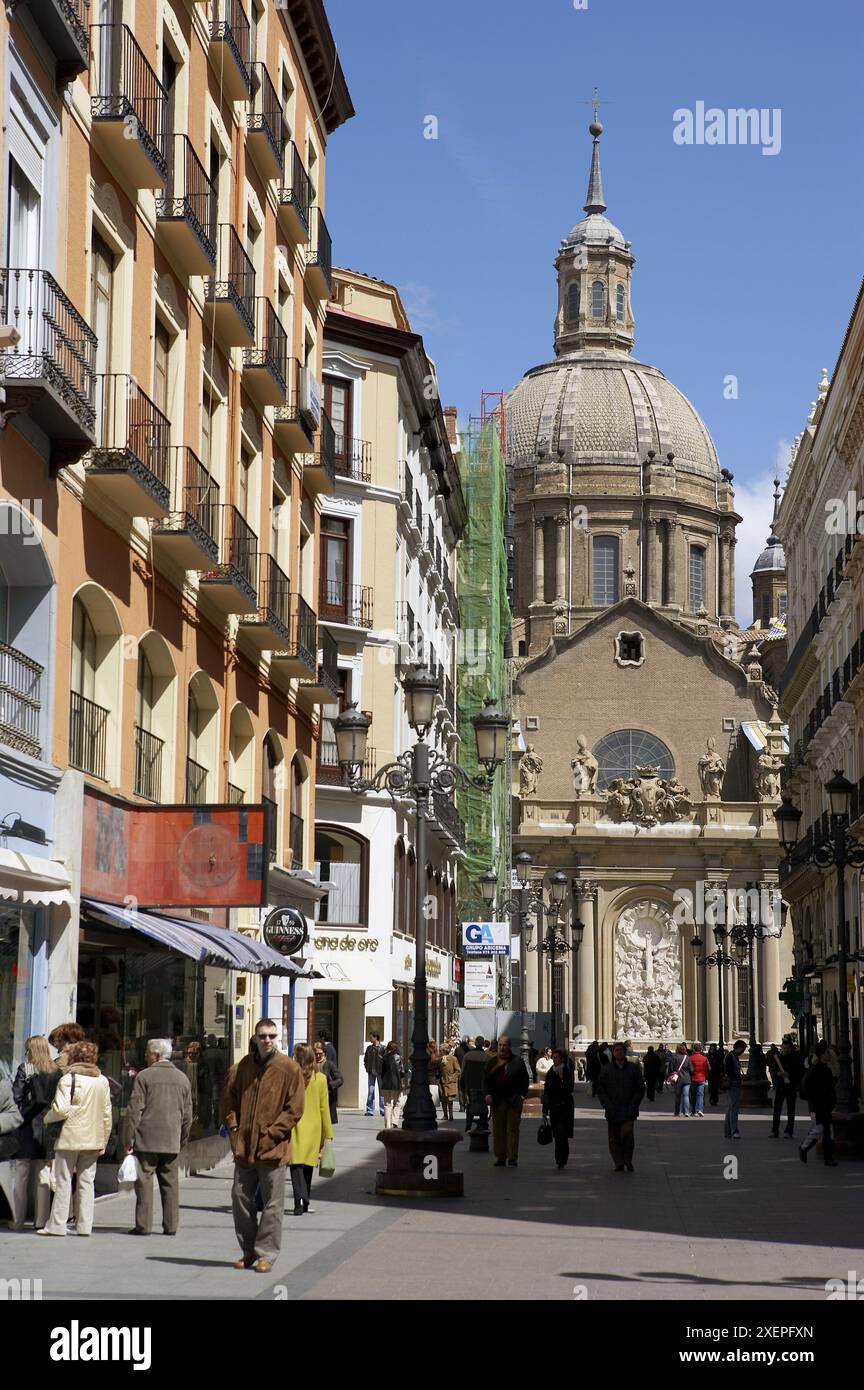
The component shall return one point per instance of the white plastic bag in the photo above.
(128, 1172)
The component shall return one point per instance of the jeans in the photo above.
(697, 1099)
(370, 1098)
(393, 1102)
(733, 1105)
(167, 1170)
(65, 1164)
(259, 1238)
(622, 1142)
(788, 1095)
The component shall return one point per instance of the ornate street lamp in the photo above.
(719, 959)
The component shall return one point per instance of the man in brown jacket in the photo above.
(262, 1103)
(157, 1126)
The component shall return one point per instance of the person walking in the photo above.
(651, 1071)
(261, 1104)
(329, 1049)
(393, 1084)
(331, 1074)
(544, 1064)
(33, 1090)
(732, 1073)
(680, 1077)
(620, 1088)
(373, 1058)
(558, 1103)
(311, 1130)
(449, 1073)
(699, 1069)
(82, 1106)
(715, 1072)
(593, 1065)
(787, 1073)
(820, 1091)
(473, 1078)
(507, 1084)
(156, 1129)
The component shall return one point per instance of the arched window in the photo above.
(411, 897)
(95, 699)
(83, 652)
(573, 301)
(698, 569)
(604, 570)
(598, 300)
(202, 741)
(619, 304)
(621, 754)
(155, 719)
(241, 756)
(297, 819)
(399, 880)
(342, 861)
(271, 786)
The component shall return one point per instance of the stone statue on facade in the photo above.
(648, 993)
(629, 580)
(530, 767)
(584, 766)
(768, 770)
(647, 799)
(712, 770)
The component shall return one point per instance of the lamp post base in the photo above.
(419, 1163)
(848, 1127)
(478, 1141)
(754, 1092)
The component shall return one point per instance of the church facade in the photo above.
(648, 747)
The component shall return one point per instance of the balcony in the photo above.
(230, 48)
(319, 467)
(294, 200)
(50, 371)
(148, 765)
(196, 783)
(88, 724)
(235, 796)
(295, 423)
(406, 491)
(270, 629)
(271, 820)
(129, 108)
(351, 604)
(20, 701)
(130, 463)
(229, 295)
(230, 584)
(447, 821)
(319, 259)
(186, 213)
(353, 458)
(265, 366)
(323, 689)
(63, 26)
(328, 773)
(190, 533)
(265, 126)
(297, 658)
(296, 835)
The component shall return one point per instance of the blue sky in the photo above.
(746, 264)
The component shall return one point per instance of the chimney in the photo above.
(450, 413)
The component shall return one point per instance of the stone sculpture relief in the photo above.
(712, 770)
(768, 777)
(530, 767)
(647, 799)
(648, 994)
(585, 767)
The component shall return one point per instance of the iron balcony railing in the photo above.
(148, 764)
(63, 24)
(328, 769)
(126, 88)
(55, 344)
(328, 667)
(20, 700)
(295, 838)
(273, 594)
(407, 484)
(353, 458)
(88, 727)
(235, 277)
(297, 193)
(266, 113)
(197, 500)
(240, 547)
(272, 823)
(321, 254)
(346, 603)
(271, 349)
(230, 25)
(327, 444)
(236, 795)
(196, 783)
(130, 427)
(418, 513)
(190, 196)
(303, 626)
(448, 818)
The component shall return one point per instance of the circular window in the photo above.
(621, 755)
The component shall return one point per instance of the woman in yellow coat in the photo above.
(308, 1135)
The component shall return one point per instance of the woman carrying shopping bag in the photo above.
(312, 1130)
(82, 1105)
(34, 1088)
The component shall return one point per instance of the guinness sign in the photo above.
(285, 930)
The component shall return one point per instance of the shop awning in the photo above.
(25, 878)
(199, 940)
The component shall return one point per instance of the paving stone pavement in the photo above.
(677, 1226)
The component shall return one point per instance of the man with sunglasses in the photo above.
(262, 1103)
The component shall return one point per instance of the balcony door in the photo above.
(335, 567)
(25, 215)
(337, 406)
(83, 652)
(327, 755)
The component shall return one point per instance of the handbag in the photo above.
(544, 1133)
(327, 1164)
(672, 1078)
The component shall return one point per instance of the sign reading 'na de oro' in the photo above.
(485, 938)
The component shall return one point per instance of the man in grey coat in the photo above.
(620, 1088)
(157, 1127)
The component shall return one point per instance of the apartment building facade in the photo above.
(389, 535)
(822, 689)
(163, 459)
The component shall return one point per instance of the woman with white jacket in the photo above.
(82, 1105)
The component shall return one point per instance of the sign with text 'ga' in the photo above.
(485, 938)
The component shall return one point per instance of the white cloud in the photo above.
(754, 501)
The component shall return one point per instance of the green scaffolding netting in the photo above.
(482, 669)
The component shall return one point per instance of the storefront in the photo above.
(31, 889)
(441, 997)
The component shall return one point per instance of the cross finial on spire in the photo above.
(595, 202)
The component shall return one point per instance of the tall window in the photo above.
(341, 863)
(102, 263)
(208, 425)
(766, 610)
(243, 475)
(161, 351)
(24, 219)
(781, 607)
(337, 404)
(573, 301)
(335, 540)
(144, 702)
(598, 300)
(169, 82)
(619, 304)
(697, 577)
(604, 570)
(83, 652)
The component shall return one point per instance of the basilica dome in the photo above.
(600, 406)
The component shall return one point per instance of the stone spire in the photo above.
(595, 201)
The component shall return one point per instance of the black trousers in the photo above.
(562, 1147)
(788, 1095)
(823, 1118)
(476, 1111)
(301, 1181)
(650, 1086)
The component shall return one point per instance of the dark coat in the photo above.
(792, 1064)
(34, 1095)
(10, 1121)
(507, 1082)
(558, 1101)
(593, 1065)
(620, 1091)
(732, 1069)
(372, 1059)
(474, 1065)
(820, 1087)
(334, 1079)
(159, 1115)
(651, 1064)
(392, 1072)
